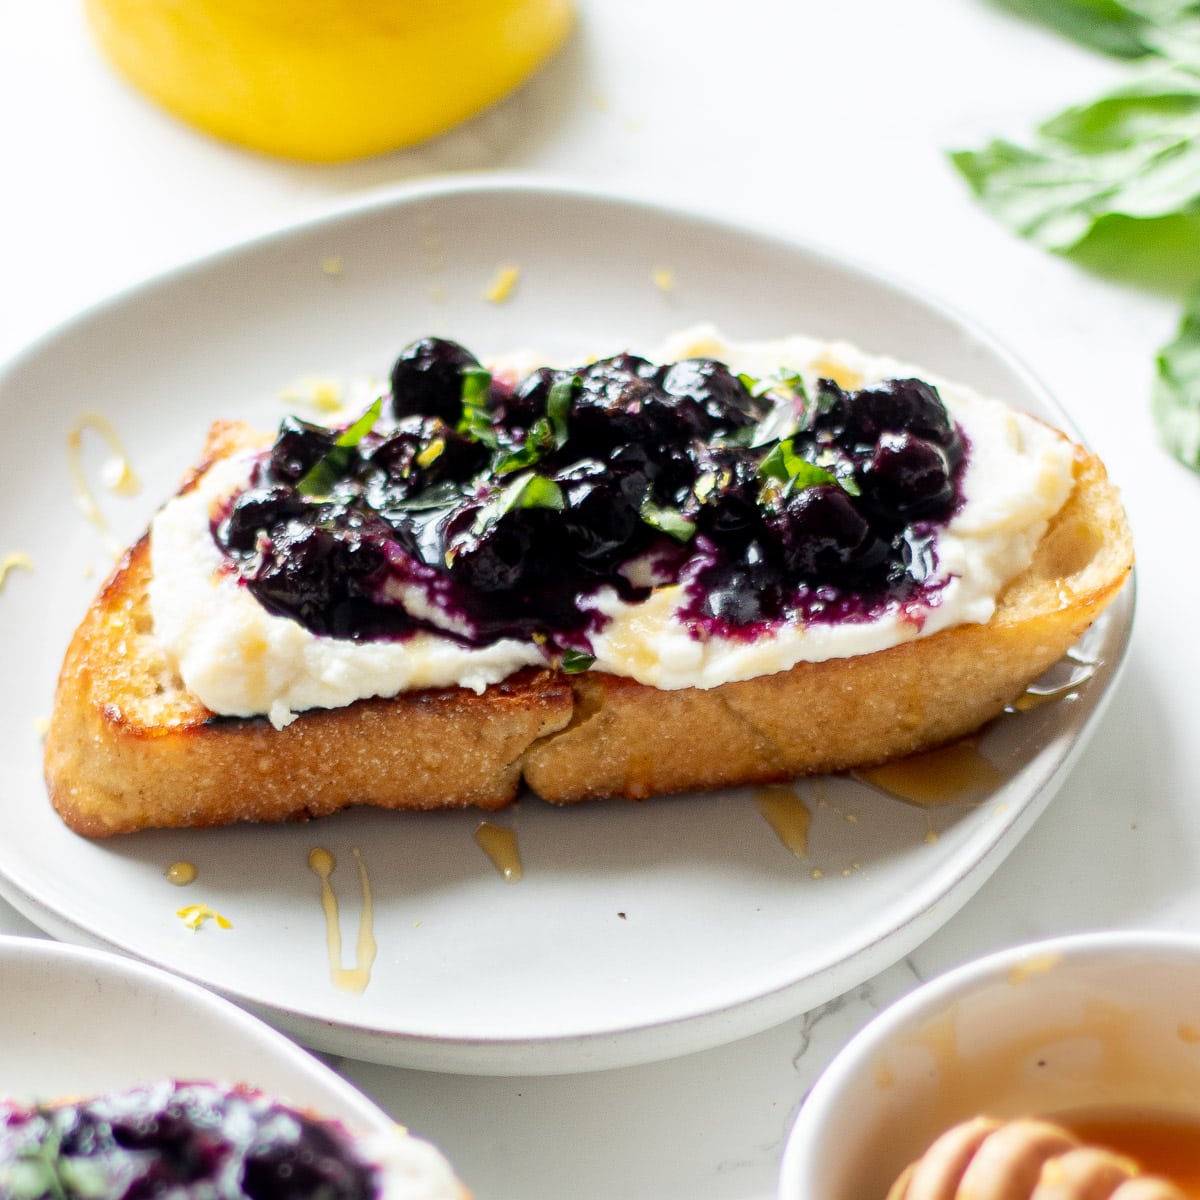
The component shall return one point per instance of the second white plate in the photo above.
(638, 931)
(81, 1022)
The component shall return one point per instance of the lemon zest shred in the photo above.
(325, 395)
(503, 285)
(196, 915)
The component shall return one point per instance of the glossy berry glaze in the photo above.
(500, 503)
(177, 1141)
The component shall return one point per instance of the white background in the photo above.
(829, 121)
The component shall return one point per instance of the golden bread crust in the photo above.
(128, 748)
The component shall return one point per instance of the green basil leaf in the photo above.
(475, 384)
(575, 661)
(525, 491)
(532, 491)
(782, 463)
(558, 408)
(476, 420)
(324, 474)
(1115, 183)
(1122, 28)
(1176, 396)
(668, 520)
(1112, 181)
(780, 424)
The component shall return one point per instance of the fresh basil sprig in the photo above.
(1122, 28)
(1176, 396)
(1115, 183)
(320, 479)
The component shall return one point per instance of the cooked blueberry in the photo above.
(298, 448)
(908, 477)
(427, 379)
(822, 534)
(257, 511)
(900, 405)
(726, 497)
(602, 524)
(742, 593)
(528, 401)
(518, 548)
(313, 574)
(425, 450)
(715, 392)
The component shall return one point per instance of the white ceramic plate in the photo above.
(77, 1021)
(638, 931)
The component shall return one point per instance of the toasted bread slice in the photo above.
(129, 748)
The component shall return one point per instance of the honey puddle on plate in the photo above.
(938, 777)
(355, 978)
(181, 873)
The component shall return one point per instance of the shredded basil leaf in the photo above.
(545, 434)
(476, 420)
(558, 408)
(666, 520)
(324, 474)
(783, 464)
(525, 491)
(575, 661)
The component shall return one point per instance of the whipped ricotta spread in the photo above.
(241, 660)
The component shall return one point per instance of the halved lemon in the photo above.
(327, 80)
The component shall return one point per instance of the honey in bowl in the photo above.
(1094, 1154)
(1165, 1143)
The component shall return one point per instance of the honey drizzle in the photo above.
(10, 562)
(117, 474)
(937, 777)
(499, 843)
(787, 815)
(356, 978)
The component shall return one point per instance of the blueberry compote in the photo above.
(491, 507)
(177, 1141)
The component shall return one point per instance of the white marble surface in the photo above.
(826, 120)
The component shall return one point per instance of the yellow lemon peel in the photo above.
(327, 80)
